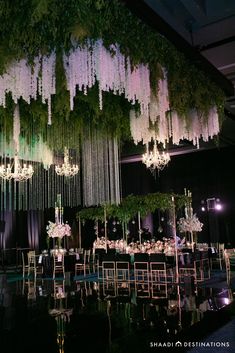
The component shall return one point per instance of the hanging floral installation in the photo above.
(23, 80)
(93, 63)
(164, 125)
(70, 65)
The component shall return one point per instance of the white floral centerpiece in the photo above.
(58, 230)
(190, 224)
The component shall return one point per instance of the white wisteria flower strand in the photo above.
(91, 63)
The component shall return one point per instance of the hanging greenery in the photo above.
(132, 204)
(33, 27)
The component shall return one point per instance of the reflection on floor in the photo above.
(71, 316)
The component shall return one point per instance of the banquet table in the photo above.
(46, 261)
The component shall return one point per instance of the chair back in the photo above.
(141, 257)
(58, 259)
(31, 258)
(204, 255)
(99, 253)
(124, 257)
(231, 262)
(58, 262)
(111, 252)
(157, 257)
(87, 256)
(221, 247)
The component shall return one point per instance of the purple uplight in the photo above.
(218, 207)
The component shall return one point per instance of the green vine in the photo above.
(132, 204)
(33, 27)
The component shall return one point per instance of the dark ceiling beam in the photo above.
(151, 18)
(172, 152)
(217, 44)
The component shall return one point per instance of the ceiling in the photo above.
(205, 31)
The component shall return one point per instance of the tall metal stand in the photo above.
(176, 247)
(79, 233)
(139, 226)
(105, 229)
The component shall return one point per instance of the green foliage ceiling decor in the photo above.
(132, 204)
(30, 28)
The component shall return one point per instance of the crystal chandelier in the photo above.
(66, 169)
(154, 159)
(20, 173)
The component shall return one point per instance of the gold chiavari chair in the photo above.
(217, 259)
(141, 275)
(158, 275)
(84, 264)
(30, 266)
(58, 265)
(229, 255)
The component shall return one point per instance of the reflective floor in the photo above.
(95, 316)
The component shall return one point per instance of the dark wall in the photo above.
(206, 173)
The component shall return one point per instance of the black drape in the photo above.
(206, 173)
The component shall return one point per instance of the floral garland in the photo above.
(190, 224)
(58, 230)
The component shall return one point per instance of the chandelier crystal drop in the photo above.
(155, 159)
(66, 169)
(19, 174)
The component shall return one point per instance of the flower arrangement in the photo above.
(58, 230)
(166, 245)
(101, 243)
(190, 224)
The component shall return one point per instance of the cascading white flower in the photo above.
(24, 81)
(91, 63)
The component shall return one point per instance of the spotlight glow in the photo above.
(218, 207)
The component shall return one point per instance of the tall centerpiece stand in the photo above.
(59, 212)
(139, 228)
(58, 231)
(189, 215)
(105, 229)
(79, 233)
(190, 224)
(173, 224)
